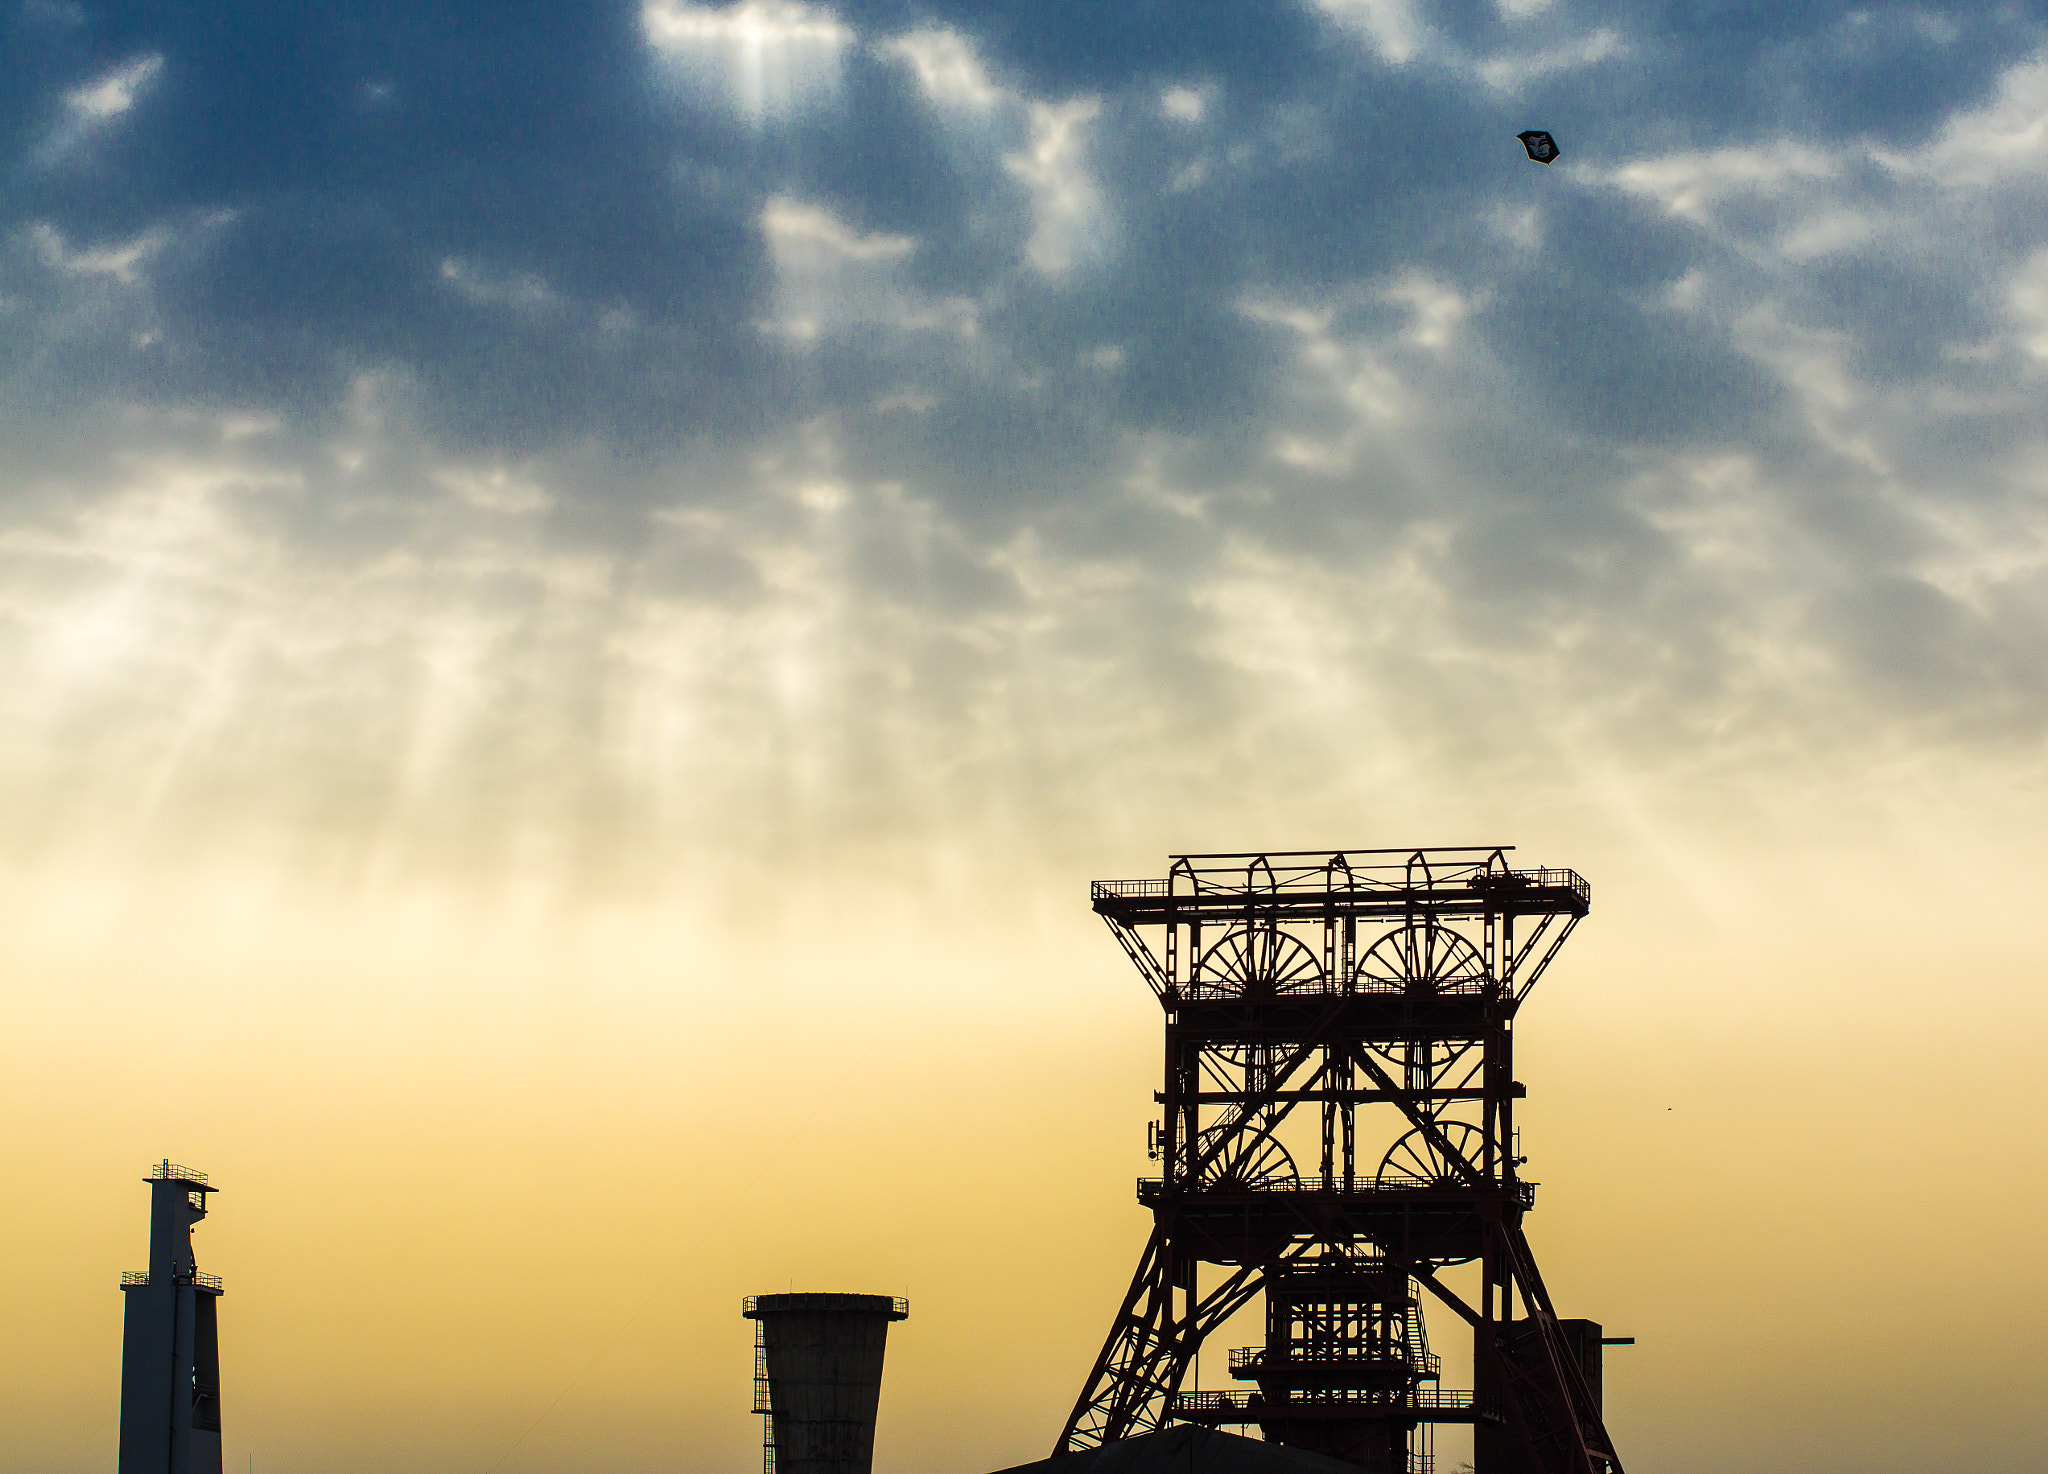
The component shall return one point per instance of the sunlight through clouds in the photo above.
(771, 59)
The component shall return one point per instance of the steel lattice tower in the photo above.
(1338, 1127)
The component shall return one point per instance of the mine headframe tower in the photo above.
(1337, 1128)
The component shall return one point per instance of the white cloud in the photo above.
(1066, 203)
(770, 59)
(829, 275)
(1389, 26)
(114, 93)
(519, 290)
(91, 109)
(494, 490)
(1435, 309)
(947, 68)
(122, 263)
(798, 233)
(2005, 138)
(1691, 184)
(1505, 73)
(1827, 232)
(1184, 104)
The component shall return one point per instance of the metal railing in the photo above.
(1098, 889)
(169, 1171)
(898, 1305)
(1357, 878)
(139, 1278)
(1150, 1188)
(1310, 1358)
(1565, 880)
(1315, 985)
(1255, 1404)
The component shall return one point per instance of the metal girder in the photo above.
(1528, 948)
(1149, 1348)
(1421, 1120)
(1140, 955)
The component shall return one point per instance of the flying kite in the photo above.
(1542, 147)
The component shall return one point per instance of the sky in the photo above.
(583, 587)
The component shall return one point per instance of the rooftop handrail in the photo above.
(898, 1305)
(134, 1276)
(169, 1171)
(1323, 877)
(1383, 1182)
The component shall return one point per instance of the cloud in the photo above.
(121, 262)
(807, 233)
(114, 93)
(91, 109)
(869, 418)
(947, 68)
(1066, 205)
(1389, 26)
(772, 59)
(1506, 73)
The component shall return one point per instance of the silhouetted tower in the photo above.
(170, 1345)
(818, 1378)
(1338, 1127)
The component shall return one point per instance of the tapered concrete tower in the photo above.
(170, 1346)
(818, 1377)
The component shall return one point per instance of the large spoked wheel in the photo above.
(1257, 961)
(1415, 1155)
(1247, 1164)
(1422, 959)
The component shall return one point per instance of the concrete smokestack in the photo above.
(819, 1364)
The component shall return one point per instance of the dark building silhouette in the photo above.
(1187, 1448)
(1337, 1126)
(170, 1343)
(1494, 1446)
(818, 1378)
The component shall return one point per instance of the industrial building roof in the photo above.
(1184, 1448)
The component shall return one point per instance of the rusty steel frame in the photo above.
(1343, 980)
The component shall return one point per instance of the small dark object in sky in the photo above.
(1542, 147)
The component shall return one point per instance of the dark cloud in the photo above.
(346, 157)
(1321, 306)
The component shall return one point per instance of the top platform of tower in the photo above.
(1314, 885)
(189, 1178)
